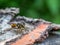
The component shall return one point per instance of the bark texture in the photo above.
(53, 39)
(23, 25)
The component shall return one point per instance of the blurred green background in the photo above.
(45, 9)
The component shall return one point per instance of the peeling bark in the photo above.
(29, 25)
